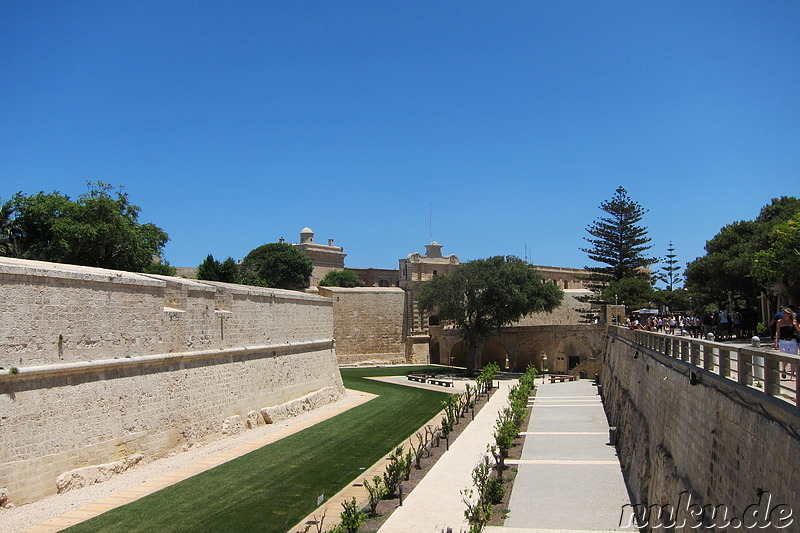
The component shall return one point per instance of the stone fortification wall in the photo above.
(722, 443)
(102, 365)
(367, 323)
(567, 314)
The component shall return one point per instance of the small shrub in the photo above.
(375, 491)
(352, 516)
(393, 475)
(495, 490)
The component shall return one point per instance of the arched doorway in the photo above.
(571, 352)
(434, 351)
(458, 355)
(529, 353)
(494, 351)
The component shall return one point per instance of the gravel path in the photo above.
(25, 516)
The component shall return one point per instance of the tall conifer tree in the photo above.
(617, 239)
(669, 272)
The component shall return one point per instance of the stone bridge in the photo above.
(566, 348)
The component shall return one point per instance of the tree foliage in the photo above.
(99, 229)
(278, 264)
(670, 271)
(212, 270)
(780, 262)
(340, 278)
(634, 292)
(618, 240)
(732, 261)
(485, 294)
(6, 228)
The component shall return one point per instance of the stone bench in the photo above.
(561, 378)
(417, 378)
(442, 382)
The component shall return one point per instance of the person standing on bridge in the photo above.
(785, 340)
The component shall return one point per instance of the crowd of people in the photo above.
(722, 324)
(784, 327)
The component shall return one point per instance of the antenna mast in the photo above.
(430, 222)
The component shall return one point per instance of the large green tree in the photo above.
(485, 294)
(780, 261)
(212, 270)
(340, 278)
(618, 240)
(6, 228)
(634, 292)
(278, 264)
(99, 229)
(732, 263)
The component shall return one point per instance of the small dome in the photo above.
(306, 235)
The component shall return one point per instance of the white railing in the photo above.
(758, 368)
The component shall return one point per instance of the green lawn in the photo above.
(277, 486)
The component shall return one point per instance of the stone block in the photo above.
(233, 425)
(90, 475)
(253, 419)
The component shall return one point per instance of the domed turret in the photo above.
(306, 235)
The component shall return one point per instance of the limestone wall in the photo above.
(718, 441)
(100, 365)
(567, 314)
(367, 323)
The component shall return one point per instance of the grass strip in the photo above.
(275, 487)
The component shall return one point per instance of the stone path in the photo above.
(569, 478)
(435, 504)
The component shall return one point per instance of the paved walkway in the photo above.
(569, 478)
(435, 503)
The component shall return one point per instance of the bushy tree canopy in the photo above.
(340, 278)
(212, 270)
(485, 294)
(780, 262)
(278, 264)
(617, 239)
(634, 293)
(99, 229)
(733, 261)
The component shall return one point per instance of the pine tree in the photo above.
(618, 240)
(670, 269)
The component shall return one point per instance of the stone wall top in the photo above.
(26, 267)
(359, 290)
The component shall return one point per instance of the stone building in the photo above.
(325, 257)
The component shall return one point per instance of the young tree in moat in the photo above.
(485, 294)
(618, 240)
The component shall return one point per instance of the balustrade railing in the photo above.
(772, 372)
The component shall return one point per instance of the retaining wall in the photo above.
(100, 365)
(368, 323)
(684, 429)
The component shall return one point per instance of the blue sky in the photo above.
(497, 125)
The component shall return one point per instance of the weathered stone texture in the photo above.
(368, 323)
(569, 313)
(721, 442)
(89, 475)
(147, 364)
